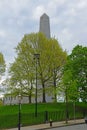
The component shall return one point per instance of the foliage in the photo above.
(2, 67)
(22, 71)
(2, 64)
(75, 73)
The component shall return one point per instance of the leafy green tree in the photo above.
(68, 88)
(77, 66)
(79, 69)
(2, 65)
(75, 76)
(57, 62)
(22, 71)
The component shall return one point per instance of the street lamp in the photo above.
(36, 57)
(19, 115)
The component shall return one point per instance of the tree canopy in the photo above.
(2, 64)
(77, 66)
(22, 71)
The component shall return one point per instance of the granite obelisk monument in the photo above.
(45, 25)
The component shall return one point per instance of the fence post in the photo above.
(46, 116)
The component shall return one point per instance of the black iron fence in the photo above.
(45, 117)
(9, 121)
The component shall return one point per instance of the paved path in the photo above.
(54, 125)
(72, 127)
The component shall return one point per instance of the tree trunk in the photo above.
(54, 78)
(55, 96)
(67, 114)
(44, 99)
(30, 92)
(29, 98)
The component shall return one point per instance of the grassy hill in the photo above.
(56, 111)
(30, 108)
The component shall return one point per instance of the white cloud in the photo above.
(65, 38)
(82, 4)
(2, 33)
(38, 11)
(71, 12)
(56, 2)
(66, 33)
(17, 17)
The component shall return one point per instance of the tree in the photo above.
(2, 65)
(52, 58)
(75, 76)
(77, 66)
(68, 88)
(21, 73)
(57, 62)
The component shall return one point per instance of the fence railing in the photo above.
(9, 121)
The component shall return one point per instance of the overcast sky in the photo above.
(68, 22)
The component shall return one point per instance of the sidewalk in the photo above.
(54, 124)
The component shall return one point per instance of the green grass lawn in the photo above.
(30, 108)
(56, 111)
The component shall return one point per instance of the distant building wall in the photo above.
(25, 100)
(14, 100)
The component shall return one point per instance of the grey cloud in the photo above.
(18, 17)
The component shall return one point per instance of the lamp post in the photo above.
(36, 57)
(19, 115)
